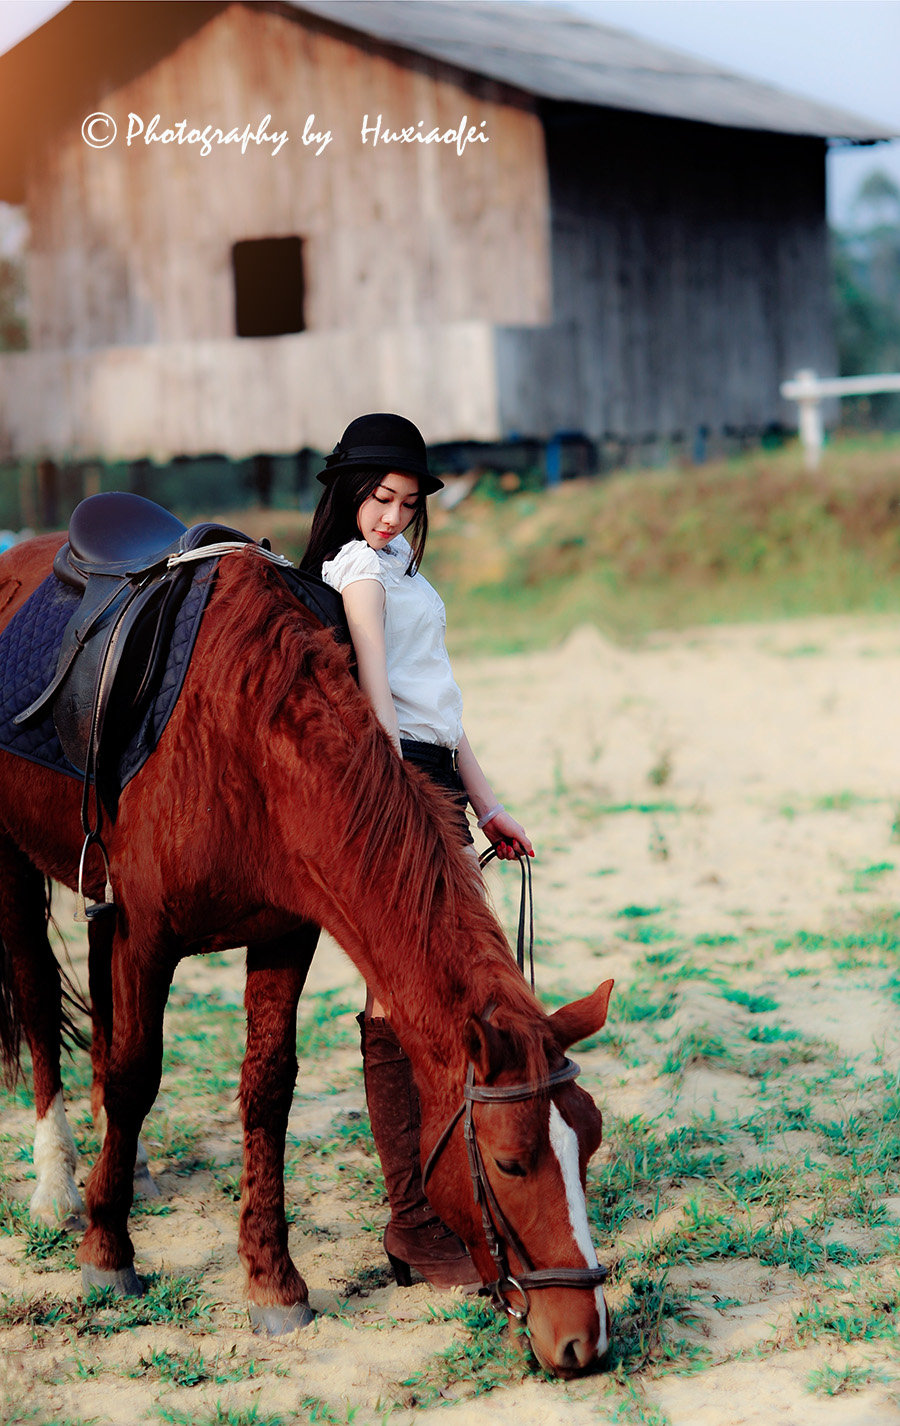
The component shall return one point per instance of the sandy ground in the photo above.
(745, 781)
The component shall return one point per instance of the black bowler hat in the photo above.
(382, 441)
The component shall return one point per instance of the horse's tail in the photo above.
(10, 1023)
(73, 1007)
(74, 1002)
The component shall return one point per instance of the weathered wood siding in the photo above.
(237, 398)
(690, 277)
(133, 245)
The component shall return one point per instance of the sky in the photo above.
(842, 52)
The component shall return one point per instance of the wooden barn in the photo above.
(251, 221)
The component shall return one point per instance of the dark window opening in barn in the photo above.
(268, 286)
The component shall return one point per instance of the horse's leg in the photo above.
(141, 976)
(100, 938)
(276, 972)
(35, 984)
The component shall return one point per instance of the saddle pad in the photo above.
(29, 650)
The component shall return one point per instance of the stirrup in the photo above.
(87, 912)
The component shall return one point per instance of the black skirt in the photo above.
(441, 765)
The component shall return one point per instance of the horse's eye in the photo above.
(510, 1168)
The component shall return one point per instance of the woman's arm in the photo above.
(506, 834)
(364, 608)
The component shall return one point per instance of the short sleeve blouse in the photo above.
(425, 693)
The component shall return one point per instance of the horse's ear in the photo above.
(582, 1018)
(484, 1046)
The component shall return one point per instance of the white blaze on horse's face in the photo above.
(564, 1143)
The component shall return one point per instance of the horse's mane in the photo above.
(394, 822)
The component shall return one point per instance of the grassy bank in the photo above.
(753, 538)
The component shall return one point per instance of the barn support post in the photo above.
(262, 477)
(48, 494)
(91, 479)
(553, 460)
(27, 501)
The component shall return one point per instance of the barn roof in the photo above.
(549, 51)
(90, 47)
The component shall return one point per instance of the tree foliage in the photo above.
(866, 287)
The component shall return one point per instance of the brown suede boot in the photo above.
(415, 1238)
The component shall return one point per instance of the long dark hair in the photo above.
(334, 522)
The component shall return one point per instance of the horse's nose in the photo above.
(577, 1353)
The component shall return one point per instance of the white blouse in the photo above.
(425, 693)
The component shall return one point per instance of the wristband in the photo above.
(489, 816)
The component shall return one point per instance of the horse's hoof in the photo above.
(74, 1223)
(57, 1205)
(276, 1321)
(144, 1183)
(123, 1281)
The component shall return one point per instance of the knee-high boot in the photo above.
(415, 1237)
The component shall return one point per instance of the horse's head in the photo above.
(528, 1134)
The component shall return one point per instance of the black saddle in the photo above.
(115, 645)
(123, 536)
(117, 555)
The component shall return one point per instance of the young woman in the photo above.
(377, 480)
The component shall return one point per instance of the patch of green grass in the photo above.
(661, 770)
(754, 1004)
(710, 1230)
(834, 1381)
(661, 958)
(487, 1356)
(640, 1001)
(646, 809)
(877, 942)
(350, 1130)
(872, 1319)
(634, 912)
(176, 1138)
(769, 1185)
(864, 878)
(171, 1300)
(192, 1368)
(841, 802)
(645, 1165)
(696, 1048)
(640, 934)
(319, 1031)
(318, 1410)
(47, 1248)
(869, 1138)
(639, 1336)
(223, 1416)
(772, 1034)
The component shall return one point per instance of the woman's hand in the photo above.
(507, 836)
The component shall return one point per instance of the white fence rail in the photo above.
(809, 391)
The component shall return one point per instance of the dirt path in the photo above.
(718, 820)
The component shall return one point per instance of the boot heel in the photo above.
(402, 1275)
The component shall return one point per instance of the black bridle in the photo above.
(499, 1232)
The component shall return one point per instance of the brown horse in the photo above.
(273, 804)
